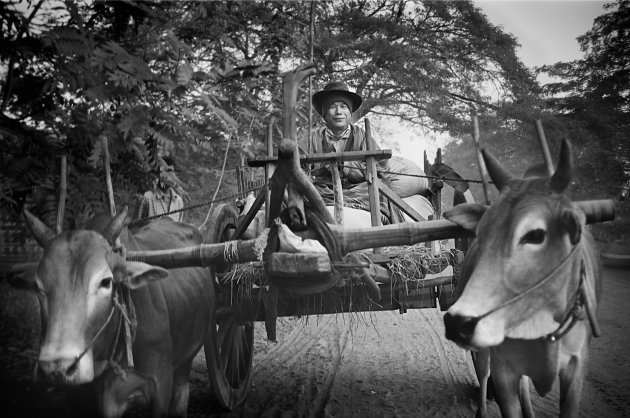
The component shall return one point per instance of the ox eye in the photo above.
(535, 236)
(106, 283)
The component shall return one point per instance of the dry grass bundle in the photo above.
(242, 278)
(408, 265)
(414, 262)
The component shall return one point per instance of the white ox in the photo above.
(529, 280)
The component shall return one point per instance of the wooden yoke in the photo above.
(290, 86)
(289, 170)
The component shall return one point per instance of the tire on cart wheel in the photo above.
(229, 342)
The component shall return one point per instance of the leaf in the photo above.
(184, 73)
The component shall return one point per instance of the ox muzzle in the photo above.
(64, 369)
(460, 329)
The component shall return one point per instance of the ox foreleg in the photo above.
(181, 390)
(525, 397)
(571, 383)
(481, 361)
(506, 386)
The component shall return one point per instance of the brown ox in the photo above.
(529, 281)
(78, 279)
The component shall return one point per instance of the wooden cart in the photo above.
(344, 279)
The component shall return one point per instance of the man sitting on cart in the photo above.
(335, 103)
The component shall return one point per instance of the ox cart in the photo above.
(320, 267)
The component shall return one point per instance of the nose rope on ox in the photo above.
(576, 313)
(128, 315)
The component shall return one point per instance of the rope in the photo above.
(253, 189)
(195, 206)
(426, 176)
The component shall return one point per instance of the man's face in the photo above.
(337, 114)
(166, 173)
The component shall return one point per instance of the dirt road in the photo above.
(391, 365)
(362, 365)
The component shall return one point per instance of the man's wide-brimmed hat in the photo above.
(336, 88)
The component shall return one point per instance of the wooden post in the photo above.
(372, 180)
(438, 189)
(435, 245)
(542, 140)
(337, 192)
(482, 165)
(63, 189)
(108, 177)
(269, 168)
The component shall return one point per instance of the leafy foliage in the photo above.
(186, 78)
(592, 96)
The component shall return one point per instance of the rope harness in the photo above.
(253, 189)
(121, 301)
(580, 302)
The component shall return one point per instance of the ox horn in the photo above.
(562, 176)
(113, 228)
(499, 175)
(43, 235)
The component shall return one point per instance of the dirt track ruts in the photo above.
(390, 365)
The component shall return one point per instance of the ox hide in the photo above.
(77, 278)
(529, 287)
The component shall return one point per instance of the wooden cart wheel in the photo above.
(229, 343)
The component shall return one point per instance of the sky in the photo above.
(545, 29)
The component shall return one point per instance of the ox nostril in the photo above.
(40, 374)
(460, 328)
(72, 369)
(56, 371)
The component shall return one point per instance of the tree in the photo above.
(429, 62)
(592, 94)
(184, 77)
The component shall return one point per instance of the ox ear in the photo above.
(499, 175)
(466, 215)
(562, 176)
(113, 228)
(139, 274)
(43, 235)
(573, 220)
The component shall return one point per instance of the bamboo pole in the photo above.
(108, 177)
(372, 181)
(63, 190)
(310, 79)
(483, 172)
(542, 141)
(405, 233)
